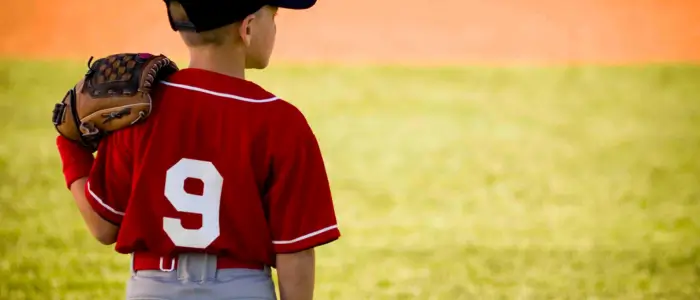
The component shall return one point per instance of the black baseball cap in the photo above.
(206, 15)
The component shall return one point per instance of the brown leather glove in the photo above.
(114, 94)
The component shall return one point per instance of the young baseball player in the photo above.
(223, 181)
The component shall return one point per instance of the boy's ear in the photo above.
(245, 30)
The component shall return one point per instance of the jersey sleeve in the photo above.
(109, 184)
(301, 210)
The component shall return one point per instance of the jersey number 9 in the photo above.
(207, 204)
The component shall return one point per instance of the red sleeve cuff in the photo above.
(76, 160)
(105, 211)
(308, 241)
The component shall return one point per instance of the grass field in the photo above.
(469, 183)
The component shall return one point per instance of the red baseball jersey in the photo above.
(221, 166)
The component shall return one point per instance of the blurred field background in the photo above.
(530, 150)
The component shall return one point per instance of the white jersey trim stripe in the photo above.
(99, 200)
(303, 237)
(224, 95)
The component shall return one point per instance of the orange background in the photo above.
(387, 31)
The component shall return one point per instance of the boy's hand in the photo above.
(76, 160)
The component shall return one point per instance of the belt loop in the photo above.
(183, 265)
(211, 262)
(131, 265)
(172, 265)
(205, 268)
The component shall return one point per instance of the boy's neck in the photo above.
(219, 60)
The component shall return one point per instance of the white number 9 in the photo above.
(206, 205)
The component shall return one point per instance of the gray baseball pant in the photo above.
(196, 277)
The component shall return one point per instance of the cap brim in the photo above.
(293, 4)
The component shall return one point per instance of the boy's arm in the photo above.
(94, 194)
(300, 205)
(105, 232)
(296, 272)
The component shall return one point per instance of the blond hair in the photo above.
(215, 37)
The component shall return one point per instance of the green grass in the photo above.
(462, 183)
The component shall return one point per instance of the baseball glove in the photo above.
(114, 94)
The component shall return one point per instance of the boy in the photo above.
(222, 181)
